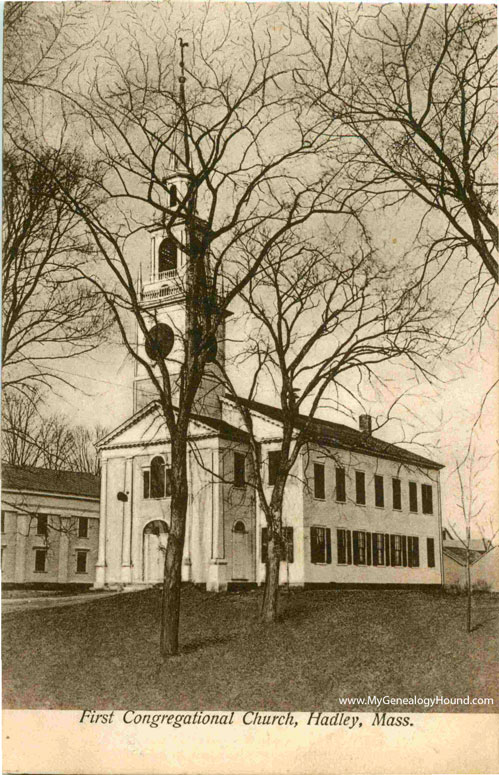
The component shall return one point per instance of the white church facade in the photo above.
(357, 510)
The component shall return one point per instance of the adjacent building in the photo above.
(49, 527)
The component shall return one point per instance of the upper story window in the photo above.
(360, 488)
(3, 521)
(167, 255)
(41, 525)
(157, 479)
(273, 461)
(413, 497)
(379, 492)
(239, 469)
(82, 527)
(341, 491)
(396, 494)
(40, 560)
(427, 498)
(319, 481)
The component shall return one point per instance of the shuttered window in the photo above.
(396, 550)
(413, 497)
(427, 498)
(319, 481)
(379, 493)
(341, 492)
(40, 560)
(430, 552)
(341, 545)
(273, 463)
(239, 469)
(413, 550)
(359, 547)
(320, 545)
(360, 488)
(378, 549)
(397, 494)
(288, 544)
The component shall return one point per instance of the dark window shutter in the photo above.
(349, 546)
(404, 551)
(409, 543)
(379, 493)
(413, 497)
(368, 548)
(341, 546)
(147, 478)
(375, 548)
(392, 550)
(387, 550)
(415, 552)
(397, 494)
(360, 487)
(319, 481)
(265, 543)
(314, 545)
(328, 546)
(355, 547)
(430, 552)
(341, 492)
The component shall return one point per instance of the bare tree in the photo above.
(316, 315)
(415, 90)
(472, 504)
(30, 437)
(46, 315)
(245, 163)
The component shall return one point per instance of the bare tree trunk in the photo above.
(170, 603)
(271, 589)
(468, 587)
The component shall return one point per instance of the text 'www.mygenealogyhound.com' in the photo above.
(375, 701)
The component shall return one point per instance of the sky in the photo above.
(436, 419)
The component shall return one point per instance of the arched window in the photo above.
(167, 255)
(157, 479)
(239, 527)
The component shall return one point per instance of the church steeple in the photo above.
(172, 242)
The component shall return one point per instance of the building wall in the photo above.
(332, 514)
(20, 539)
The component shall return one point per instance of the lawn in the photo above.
(327, 645)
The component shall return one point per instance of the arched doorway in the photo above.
(155, 539)
(240, 552)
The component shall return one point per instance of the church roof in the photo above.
(34, 479)
(344, 437)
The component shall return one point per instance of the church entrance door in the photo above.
(155, 539)
(241, 558)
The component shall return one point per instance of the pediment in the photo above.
(148, 426)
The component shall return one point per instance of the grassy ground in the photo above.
(327, 645)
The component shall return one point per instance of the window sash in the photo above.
(320, 545)
(378, 549)
(40, 560)
(81, 562)
(41, 525)
(360, 488)
(82, 527)
(319, 481)
(341, 491)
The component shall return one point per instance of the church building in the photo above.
(357, 511)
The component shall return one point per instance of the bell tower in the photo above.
(162, 290)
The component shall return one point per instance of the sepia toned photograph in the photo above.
(249, 363)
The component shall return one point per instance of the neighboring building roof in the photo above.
(344, 437)
(46, 480)
(458, 553)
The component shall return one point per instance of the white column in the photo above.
(100, 567)
(126, 554)
(187, 562)
(217, 569)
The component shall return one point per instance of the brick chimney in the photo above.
(366, 423)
